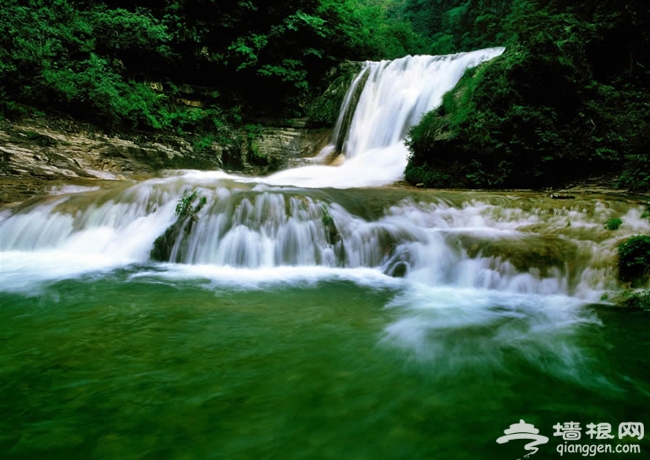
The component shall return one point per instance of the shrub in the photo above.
(613, 224)
(636, 174)
(634, 259)
(184, 207)
(552, 109)
(638, 300)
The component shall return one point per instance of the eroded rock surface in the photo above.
(35, 154)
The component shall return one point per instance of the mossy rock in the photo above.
(162, 247)
(186, 217)
(526, 253)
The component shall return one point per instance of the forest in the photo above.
(568, 97)
(566, 101)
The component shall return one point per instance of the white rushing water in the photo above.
(395, 96)
(476, 244)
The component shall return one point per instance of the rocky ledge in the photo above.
(36, 154)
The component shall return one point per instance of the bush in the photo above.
(634, 259)
(638, 300)
(185, 209)
(636, 174)
(613, 224)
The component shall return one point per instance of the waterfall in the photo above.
(398, 93)
(199, 312)
(511, 245)
(394, 97)
(496, 269)
(496, 243)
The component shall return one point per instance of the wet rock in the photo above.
(524, 252)
(289, 146)
(399, 270)
(53, 149)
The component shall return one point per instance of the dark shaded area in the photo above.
(187, 215)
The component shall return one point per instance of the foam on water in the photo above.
(27, 272)
(466, 330)
(265, 278)
(474, 244)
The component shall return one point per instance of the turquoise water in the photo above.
(140, 362)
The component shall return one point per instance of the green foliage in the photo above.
(631, 299)
(613, 224)
(638, 300)
(56, 55)
(251, 133)
(126, 35)
(636, 173)
(331, 231)
(202, 143)
(634, 259)
(549, 110)
(95, 59)
(453, 26)
(327, 217)
(185, 207)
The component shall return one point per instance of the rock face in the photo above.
(34, 153)
(287, 147)
(48, 153)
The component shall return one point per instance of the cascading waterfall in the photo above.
(437, 243)
(307, 315)
(398, 93)
(510, 262)
(520, 262)
(255, 227)
(395, 96)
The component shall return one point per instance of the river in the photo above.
(317, 313)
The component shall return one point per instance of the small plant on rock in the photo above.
(184, 207)
(613, 224)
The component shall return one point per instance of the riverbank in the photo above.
(39, 154)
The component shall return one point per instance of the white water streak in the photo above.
(395, 97)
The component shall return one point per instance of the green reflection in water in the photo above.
(110, 368)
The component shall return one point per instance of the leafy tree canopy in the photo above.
(93, 58)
